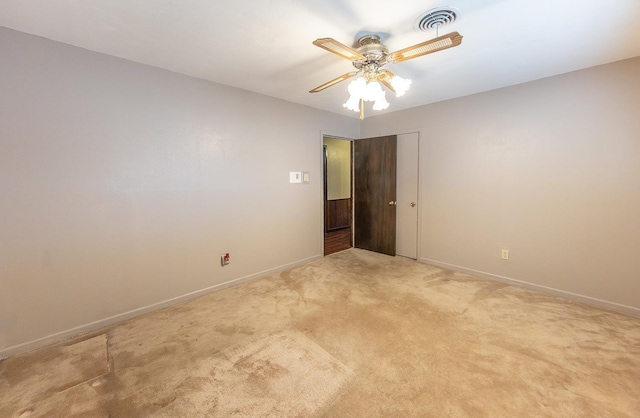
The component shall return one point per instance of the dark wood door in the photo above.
(374, 194)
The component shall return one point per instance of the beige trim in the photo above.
(600, 303)
(93, 326)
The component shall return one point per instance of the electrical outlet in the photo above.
(224, 259)
(505, 254)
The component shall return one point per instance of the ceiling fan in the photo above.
(369, 58)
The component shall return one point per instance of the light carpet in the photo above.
(356, 334)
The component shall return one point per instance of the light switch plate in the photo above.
(295, 177)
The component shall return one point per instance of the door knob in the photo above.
(413, 204)
(392, 203)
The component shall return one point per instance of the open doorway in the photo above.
(337, 156)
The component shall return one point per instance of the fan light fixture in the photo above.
(369, 58)
(361, 90)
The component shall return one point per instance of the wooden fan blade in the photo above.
(334, 81)
(434, 45)
(385, 77)
(337, 48)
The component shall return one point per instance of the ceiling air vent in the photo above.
(436, 18)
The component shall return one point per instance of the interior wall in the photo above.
(549, 170)
(122, 184)
(338, 168)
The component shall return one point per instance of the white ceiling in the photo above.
(265, 45)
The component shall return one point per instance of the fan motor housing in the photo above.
(371, 48)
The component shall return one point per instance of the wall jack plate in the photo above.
(224, 259)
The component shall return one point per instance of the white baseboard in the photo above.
(600, 303)
(103, 323)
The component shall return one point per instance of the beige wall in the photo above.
(121, 185)
(338, 168)
(548, 169)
